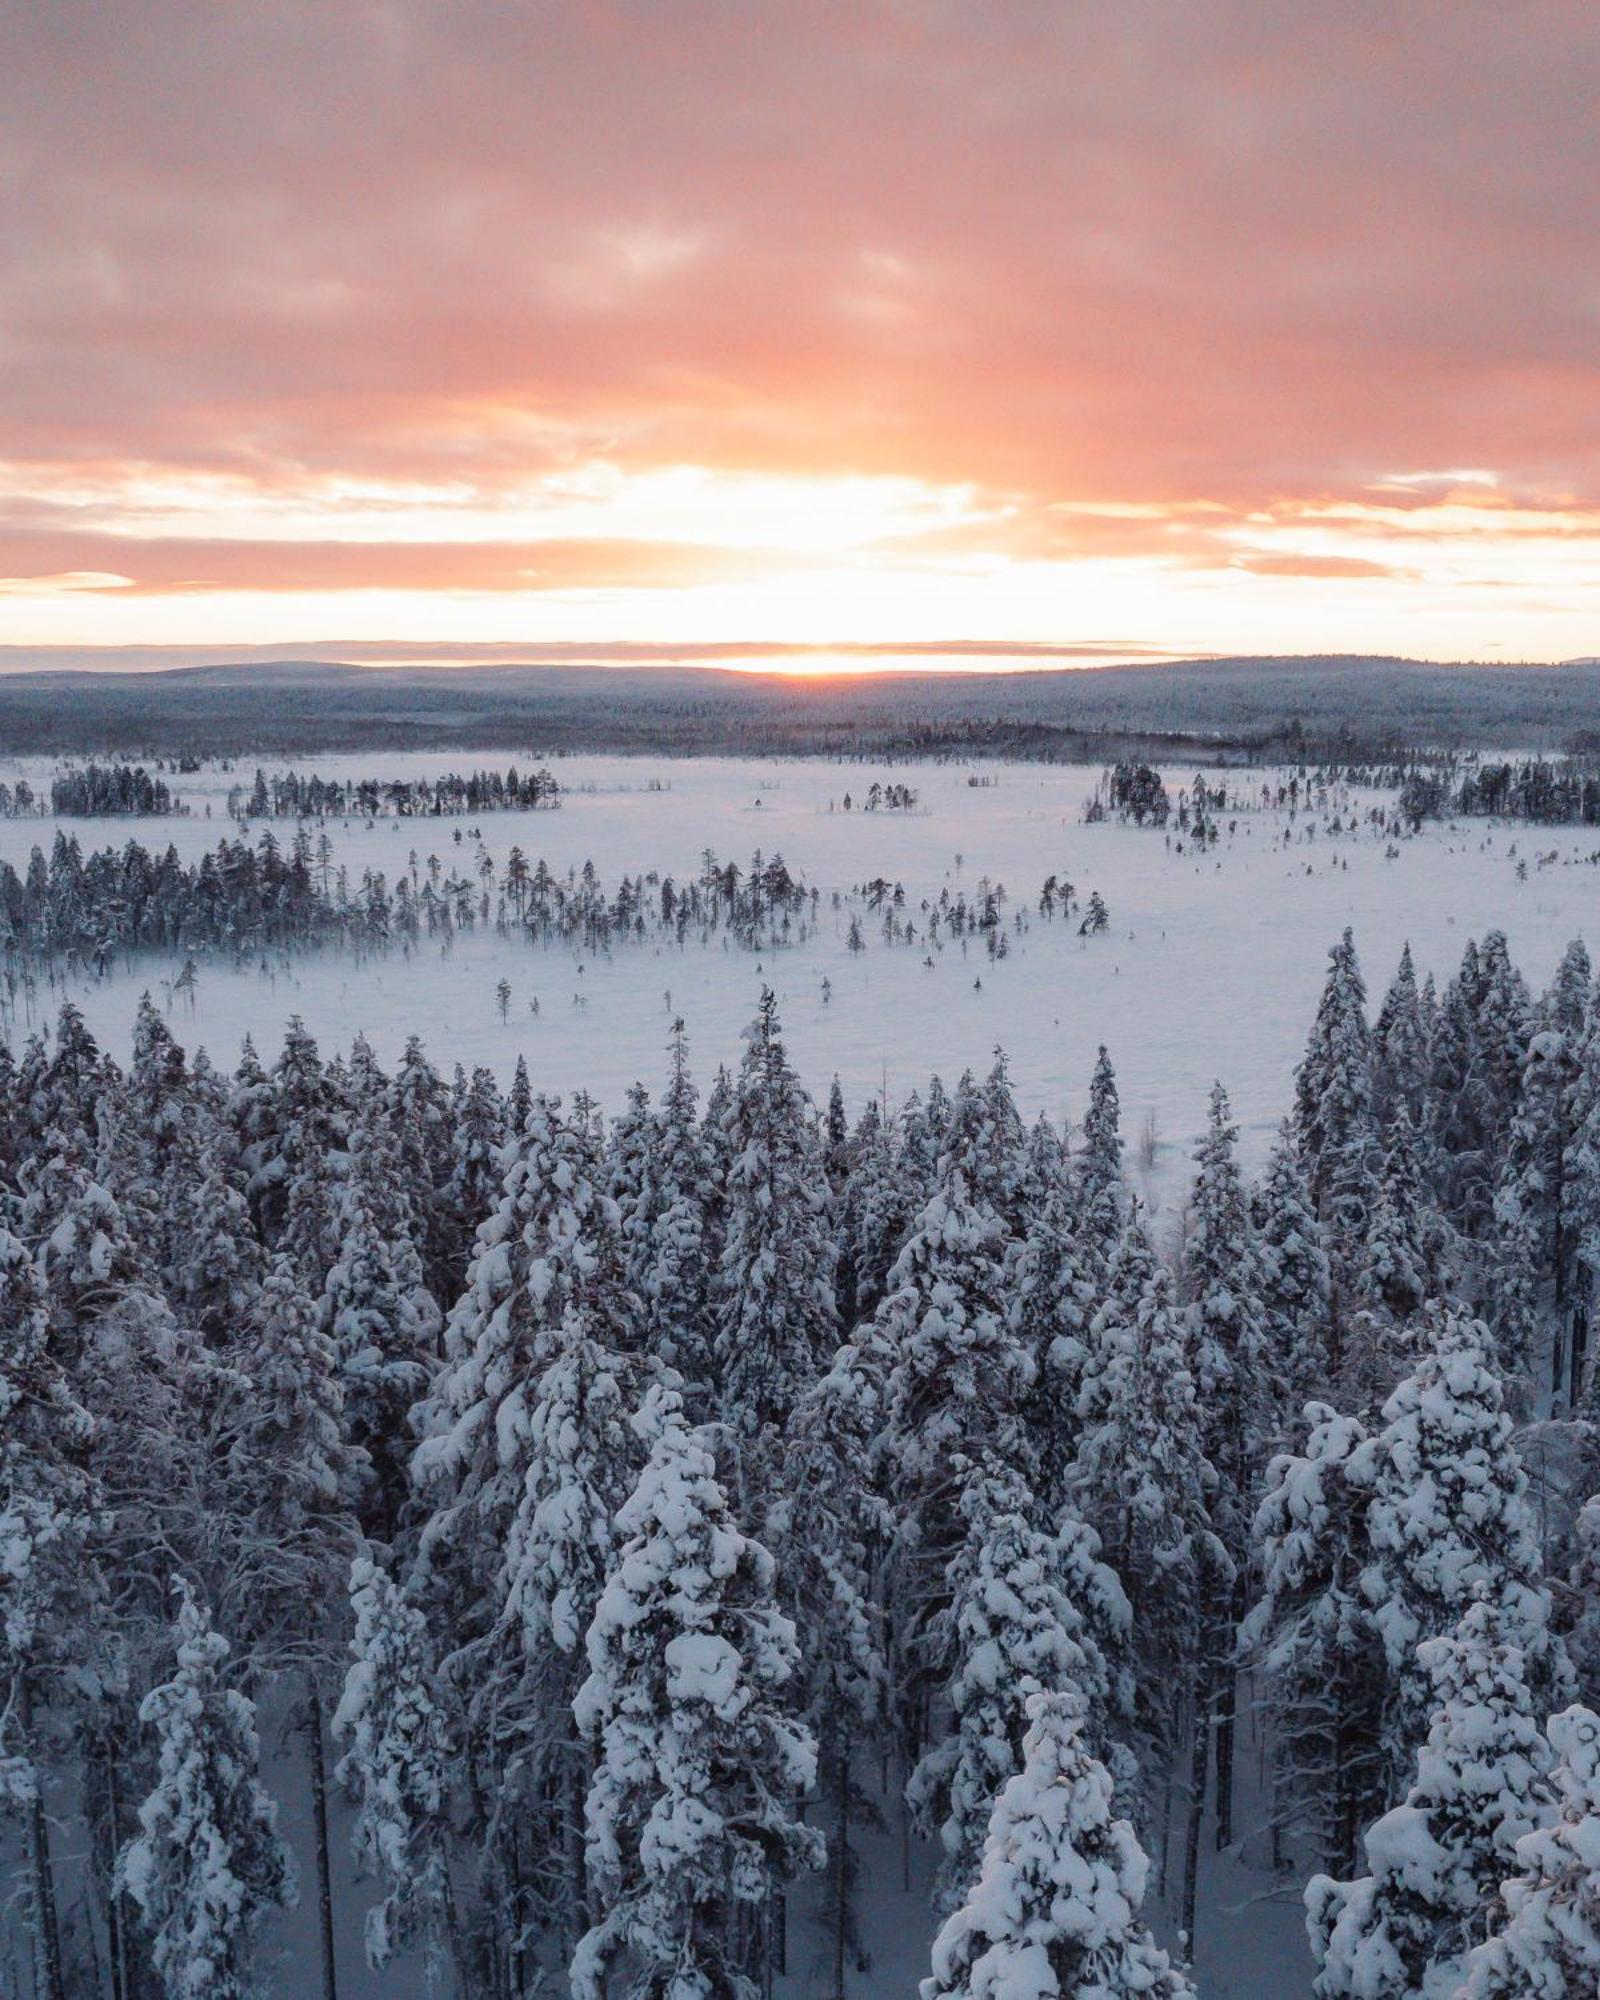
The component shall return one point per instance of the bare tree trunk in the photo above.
(841, 1870)
(114, 1930)
(46, 1927)
(1198, 1763)
(319, 1816)
(1227, 1706)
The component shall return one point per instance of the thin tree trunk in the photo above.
(1166, 1836)
(319, 1816)
(46, 1927)
(1198, 1763)
(841, 1891)
(114, 1928)
(1227, 1720)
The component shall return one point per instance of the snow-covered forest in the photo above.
(737, 1545)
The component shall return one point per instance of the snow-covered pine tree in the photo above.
(1447, 1517)
(827, 1527)
(1437, 1860)
(776, 1323)
(674, 1269)
(1549, 1945)
(383, 1323)
(985, 1142)
(1240, 1398)
(1399, 1047)
(1101, 1197)
(1311, 1631)
(1054, 1913)
(1143, 1483)
(472, 1188)
(1333, 1098)
(958, 1376)
(397, 1767)
(49, 1589)
(208, 1867)
(1296, 1283)
(1051, 1280)
(1011, 1630)
(692, 1812)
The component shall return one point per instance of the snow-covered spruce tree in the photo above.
(582, 1456)
(827, 1526)
(1011, 1630)
(550, 1248)
(301, 1156)
(691, 1814)
(472, 1189)
(776, 1323)
(384, 1325)
(884, 1194)
(396, 1766)
(218, 1261)
(1333, 1099)
(1399, 1048)
(1101, 1197)
(49, 1595)
(418, 1107)
(1311, 1632)
(957, 1379)
(1437, 1860)
(1054, 1913)
(1143, 1483)
(1448, 1517)
(208, 1867)
(1046, 1170)
(674, 1277)
(1240, 1398)
(1296, 1283)
(550, 1241)
(1051, 1284)
(985, 1142)
(1549, 1945)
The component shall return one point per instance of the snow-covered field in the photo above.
(1211, 967)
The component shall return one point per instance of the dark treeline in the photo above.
(1267, 710)
(99, 790)
(714, 1483)
(293, 795)
(90, 912)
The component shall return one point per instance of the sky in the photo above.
(1042, 331)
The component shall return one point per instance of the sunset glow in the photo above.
(1147, 329)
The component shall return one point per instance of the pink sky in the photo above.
(1219, 325)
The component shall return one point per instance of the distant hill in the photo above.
(1245, 707)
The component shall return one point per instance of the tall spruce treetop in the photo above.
(1101, 1198)
(1399, 1047)
(1233, 1361)
(1054, 1913)
(1437, 1860)
(776, 1316)
(1549, 1946)
(1333, 1091)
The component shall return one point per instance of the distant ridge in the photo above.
(1241, 707)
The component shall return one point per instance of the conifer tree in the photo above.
(397, 1766)
(1054, 1913)
(692, 1811)
(1549, 1943)
(1399, 1048)
(775, 1313)
(1101, 1199)
(1011, 1630)
(1296, 1283)
(208, 1867)
(1438, 1858)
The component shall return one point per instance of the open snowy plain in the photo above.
(1210, 967)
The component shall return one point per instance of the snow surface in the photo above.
(1211, 967)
